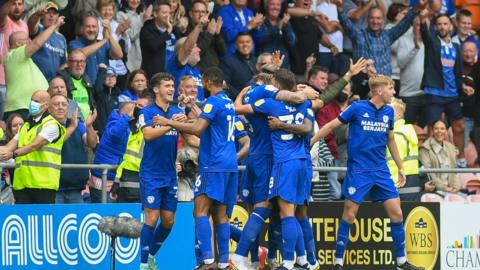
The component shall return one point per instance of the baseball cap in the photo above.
(111, 72)
(51, 5)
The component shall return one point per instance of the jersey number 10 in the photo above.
(231, 128)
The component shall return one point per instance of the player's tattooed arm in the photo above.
(392, 147)
(297, 97)
(245, 143)
(325, 130)
(300, 129)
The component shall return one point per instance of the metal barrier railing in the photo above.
(107, 167)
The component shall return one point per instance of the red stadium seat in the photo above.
(473, 185)
(453, 197)
(473, 198)
(431, 197)
(465, 177)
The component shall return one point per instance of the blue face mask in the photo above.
(34, 108)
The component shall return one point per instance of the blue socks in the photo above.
(274, 238)
(289, 236)
(235, 233)
(342, 239)
(223, 237)
(204, 236)
(308, 240)
(146, 236)
(159, 237)
(398, 235)
(300, 245)
(198, 252)
(252, 230)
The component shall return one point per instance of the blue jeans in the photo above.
(337, 64)
(468, 128)
(69, 196)
(335, 186)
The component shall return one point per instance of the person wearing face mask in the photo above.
(37, 150)
(126, 187)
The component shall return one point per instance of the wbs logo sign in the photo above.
(62, 237)
(422, 239)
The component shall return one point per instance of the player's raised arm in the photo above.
(392, 147)
(325, 130)
(195, 128)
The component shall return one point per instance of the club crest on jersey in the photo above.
(385, 118)
(207, 108)
(352, 190)
(245, 192)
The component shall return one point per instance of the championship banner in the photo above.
(66, 237)
(371, 244)
(460, 236)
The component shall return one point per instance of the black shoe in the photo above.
(298, 266)
(337, 267)
(281, 267)
(409, 266)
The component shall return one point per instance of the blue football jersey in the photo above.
(239, 132)
(160, 154)
(217, 142)
(260, 134)
(368, 129)
(286, 145)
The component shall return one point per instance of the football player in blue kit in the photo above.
(158, 178)
(216, 185)
(370, 133)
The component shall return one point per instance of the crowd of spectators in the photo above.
(100, 54)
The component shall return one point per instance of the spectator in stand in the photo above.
(328, 20)
(471, 104)
(411, 56)
(53, 54)
(57, 86)
(238, 19)
(407, 146)
(277, 31)
(437, 152)
(134, 11)
(79, 85)
(177, 17)
(396, 12)
(106, 10)
(317, 78)
(14, 123)
(72, 181)
(186, 57)
(111, 148)
(136, 86)
(464, 28)
(36, 148)
(374, 42)
(210, 41)
(309, 36)
(106, 96)
(240, 67)
(442, 80)
(10, 22)
(156, 37)
(19, 65)
(357, 11)
(97, 51)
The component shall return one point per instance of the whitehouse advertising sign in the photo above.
(66, 237)
(460, 236)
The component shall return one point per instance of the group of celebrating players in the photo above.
(277, 182)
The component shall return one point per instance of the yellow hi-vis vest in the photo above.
(40, 168)
(407, 145)
(131, 159)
